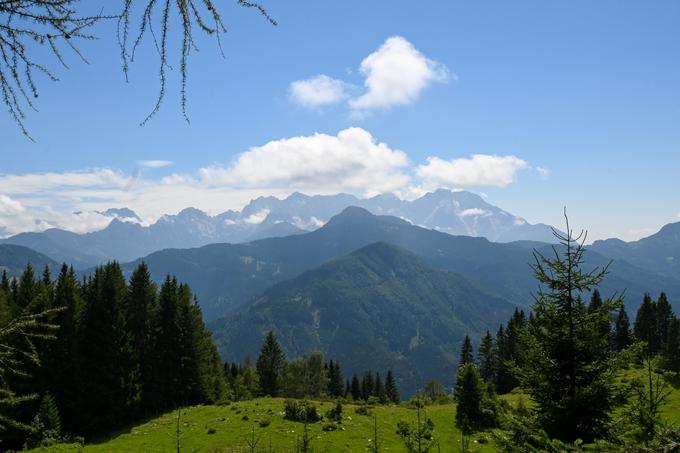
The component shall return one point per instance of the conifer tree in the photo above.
(335, 379)
(466, 352)
(391, 390)
(645, 327)
(664, 318)
(367, 385)
(469, 393)
(672, 353)
(595, 306)
(379, 390)
(569, 367)
(271, 364)
(622, 335)
(485, 358)
(356, 388)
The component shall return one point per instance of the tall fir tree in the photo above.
(664, 318)
(485, 358)
(645, 327)
(672, 352)
(466, 352)
(367, 385)
(569, 366)
(595, 306)
(271, 364)
(356, 388)
(469, 393)
(622, 336)
(391, 390)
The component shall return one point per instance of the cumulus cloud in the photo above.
(478, 170)
(318, 91)
(396, 74)
(155, 163)
(351, 161)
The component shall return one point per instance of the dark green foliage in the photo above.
(485, 358)
(356, 388)
(466, 352)
(335, 379)
(594, 307)
(305, 377)
(270, 365)
(367, 385)
(672, 352)
(300, 411)
(476, 408)
(121, 350)
(645, 328)
(622, 335)
(335, 413)
(568, 367)
(391, 390)
(46, 425)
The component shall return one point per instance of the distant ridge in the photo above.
(125, 239)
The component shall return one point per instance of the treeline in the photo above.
(310, 376)
(655, 324)
(121, 350)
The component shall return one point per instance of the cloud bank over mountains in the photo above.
(351, 161)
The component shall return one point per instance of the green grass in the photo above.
(231, 430)
(227, 428)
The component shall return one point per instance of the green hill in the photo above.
(414, 317)
(14, 258)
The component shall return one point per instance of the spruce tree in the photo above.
(622, 336)
(367, 385)
(595, 306)
(379, 390)
(469, 393)
(664, 318)
(645, 327)
(271, 364)
(335, 379)
(356, 388)
(569, 367)
(485, 357)
(672, 353)
(466, 352)
(391, 390)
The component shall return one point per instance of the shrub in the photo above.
(362, 410)
(264, 422)
(330, 427)
(335, 413)
(300, 411)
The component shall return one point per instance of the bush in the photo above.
(335, 413)
(362, 410)
(300, 411)
(330, 427)
(264, 422)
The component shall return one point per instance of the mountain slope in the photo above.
(14, 258)
(658, 253)
(227, 275)
(413, 316)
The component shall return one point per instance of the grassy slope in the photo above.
(231, 431)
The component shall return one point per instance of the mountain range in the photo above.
(226, 276)
(126, 238)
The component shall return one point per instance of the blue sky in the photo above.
(584, 96)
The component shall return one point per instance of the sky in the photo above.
(535, 105)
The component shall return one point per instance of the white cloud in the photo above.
(478, 170)
(678, 215)
(396, 74)
(543, 172)
(318, 91)
(472, 212)
(257, 217)
(350, 161)
(155, 163)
